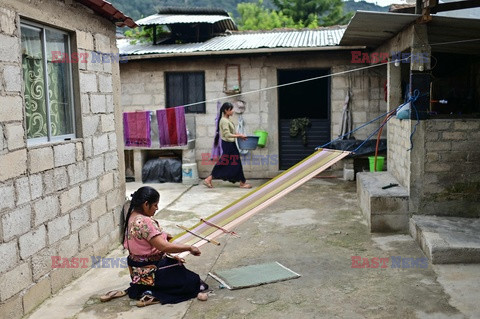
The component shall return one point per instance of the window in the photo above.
(48, 84)
(185, 88)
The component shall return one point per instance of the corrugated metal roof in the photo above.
(310, 38)
(166, 19)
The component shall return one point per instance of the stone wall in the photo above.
(143, 88)
(442, 170)
(57, 199)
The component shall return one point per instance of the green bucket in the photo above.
(380, 160)
(262, 141)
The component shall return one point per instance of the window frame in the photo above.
(50, 138)
(185, 76)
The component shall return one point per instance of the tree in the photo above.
(306, 12)
(253, 16)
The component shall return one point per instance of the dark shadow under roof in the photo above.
(445, 34)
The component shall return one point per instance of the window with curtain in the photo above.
(185, 88)
(48, 85)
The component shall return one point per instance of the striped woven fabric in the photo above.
(243, 208)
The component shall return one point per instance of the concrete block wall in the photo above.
(442, 169)
(366, 101)
(143, 88)
(57, 199)
(451, 169)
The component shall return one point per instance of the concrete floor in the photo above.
(315, 230)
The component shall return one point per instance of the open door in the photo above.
(310, 99)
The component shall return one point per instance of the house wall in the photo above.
(57, 199)
(143, 88)
(442, 171)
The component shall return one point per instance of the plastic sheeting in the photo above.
(162, 170)
(367, 149)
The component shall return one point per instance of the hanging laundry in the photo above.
(136, 129)
(172, 128)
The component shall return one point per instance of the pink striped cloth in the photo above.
(136, 129)
(172, 128)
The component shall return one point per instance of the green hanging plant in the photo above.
(299, 126)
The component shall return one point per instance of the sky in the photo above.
(384, 3)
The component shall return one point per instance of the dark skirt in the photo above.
(172, 284)
(229, 166)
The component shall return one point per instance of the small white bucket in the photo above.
(189, 174)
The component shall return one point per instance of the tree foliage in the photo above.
(253, 16)
(321, 12)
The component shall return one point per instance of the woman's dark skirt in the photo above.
(229, 166)
(169, 285)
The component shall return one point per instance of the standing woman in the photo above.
(156, 278)
(229, 166)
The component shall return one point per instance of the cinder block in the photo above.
(88, 82)
(95, 167)
(88, 235)
(98, 207)
(36, 186)
(46, 209)
(40, 159)
(55, 180)
(69, 200)
(16, 222)
(32, 242)
(9, 253)
(15, 281)
(98, 103)
(22, 186)
(15, 136)
(12, 76)
(88, 191)
(79, 217)
(105, 183)
(60, 277)
(386, 210)
(58, 228)
(107, 123)
(69, 246)
(100, 145)
(84, 40)
(10, 49)
(64, 154)
(105, 83)
(105, 224)
(42, 262)
(112, 141)
(102, 43)
(8, 22)
(12, 308)
(13, 164)
(37, 294)
(111, 161)
(7, 195)
(77, 173)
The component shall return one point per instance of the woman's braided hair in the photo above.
(143, 194)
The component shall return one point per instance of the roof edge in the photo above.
(108, 11)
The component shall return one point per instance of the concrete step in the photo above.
(447, 240)
(386, 210)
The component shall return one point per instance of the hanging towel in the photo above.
(172, 128)
(136, 129)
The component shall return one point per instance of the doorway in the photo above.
(309, 99)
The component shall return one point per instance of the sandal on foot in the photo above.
(246, 186)
(209, 185)
(112, 295)
(147, 300)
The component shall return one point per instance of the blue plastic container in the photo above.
(249, 144)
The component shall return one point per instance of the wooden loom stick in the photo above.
(221, 228)
(196, 235)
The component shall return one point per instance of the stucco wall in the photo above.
(57, 199)
(143, 88)
(442, 170)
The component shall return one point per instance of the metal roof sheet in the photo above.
(311, 38)
(222, 22)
